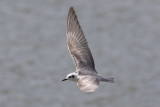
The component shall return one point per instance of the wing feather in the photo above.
(77, 44)
(88, 84)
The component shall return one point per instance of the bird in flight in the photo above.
(86, 75)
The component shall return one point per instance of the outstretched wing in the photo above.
(77, 44)
(88, 84)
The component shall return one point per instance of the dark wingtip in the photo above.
(71, 8)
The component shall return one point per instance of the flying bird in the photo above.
(86, 75)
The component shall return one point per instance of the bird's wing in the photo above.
(88, 84)
(77, 44)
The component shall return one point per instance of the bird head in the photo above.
(72, 77)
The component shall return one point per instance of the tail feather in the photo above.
(110, 80)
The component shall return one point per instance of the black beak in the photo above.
(64, 80)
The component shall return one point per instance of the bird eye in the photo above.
(72, 76)
(69, 76)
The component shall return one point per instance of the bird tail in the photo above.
(110, 80)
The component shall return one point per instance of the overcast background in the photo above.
(124, 38)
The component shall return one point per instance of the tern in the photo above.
(86, 75)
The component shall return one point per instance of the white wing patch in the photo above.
(88, 84)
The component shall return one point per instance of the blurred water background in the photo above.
(123, 35)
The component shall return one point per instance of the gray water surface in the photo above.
(124, 38)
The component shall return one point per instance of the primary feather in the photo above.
(77, 44)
